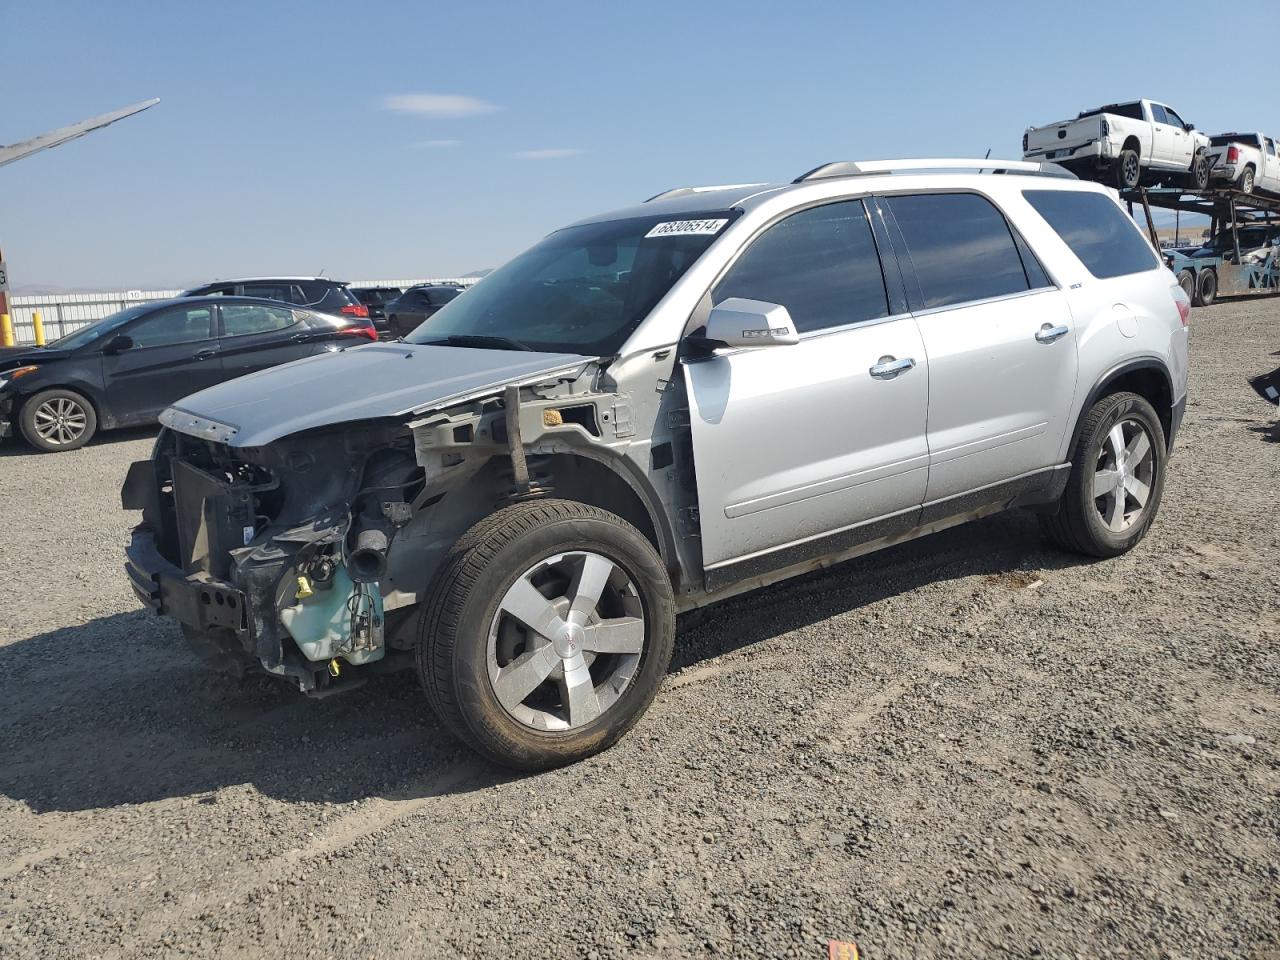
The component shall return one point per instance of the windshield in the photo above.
(582, 289)
(99, 328)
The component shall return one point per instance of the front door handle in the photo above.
(206, 354)
(888, 367)
(1049, 333)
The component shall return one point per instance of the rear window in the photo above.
(1107, 242)
(1131, 110)
(1226, 139)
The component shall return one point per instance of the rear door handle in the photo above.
(1049, 333)
(206, 354)
(888, 367)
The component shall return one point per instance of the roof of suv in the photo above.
(868, 174)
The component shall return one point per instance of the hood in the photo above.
(11, 357)
(360, 383)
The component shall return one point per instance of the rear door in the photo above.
(999, 337)
(810, 448)
(255, 336)
(174, 354)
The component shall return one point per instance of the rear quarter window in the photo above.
(1098, 232)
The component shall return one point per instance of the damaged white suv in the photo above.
(658, 409)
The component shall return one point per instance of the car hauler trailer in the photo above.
(1233, 271)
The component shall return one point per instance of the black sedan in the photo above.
(126, 368)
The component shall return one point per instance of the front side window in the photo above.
(240, 319)
(962, 248)
(1173, 118)
(1098, 232)
(821, 264)
(583, 289)
(175, 325)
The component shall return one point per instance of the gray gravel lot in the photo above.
(971, 745)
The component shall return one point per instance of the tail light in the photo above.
(1024, 143)
(1183, 302)
(1233, 154)
(359, 330)
(1106, 128)
(356, 310)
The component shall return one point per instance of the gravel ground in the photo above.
(967, 746)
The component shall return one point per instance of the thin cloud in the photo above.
(434, 144)
(550, 153)
(437, 104)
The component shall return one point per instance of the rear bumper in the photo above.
(1097, 152)
(1175, 419)
(196, 600)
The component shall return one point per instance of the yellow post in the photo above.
(6, 330)
(39, 328)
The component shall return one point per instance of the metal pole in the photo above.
(1151, 224)
(1235, 234)
(37, 325)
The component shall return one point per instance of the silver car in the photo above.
(660, 408)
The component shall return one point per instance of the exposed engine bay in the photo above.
(310, 553)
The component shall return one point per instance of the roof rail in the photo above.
(683, 191)
(862, 168)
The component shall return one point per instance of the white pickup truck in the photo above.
(1125, 144)
(1247, 161)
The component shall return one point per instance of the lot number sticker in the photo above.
(686, 228)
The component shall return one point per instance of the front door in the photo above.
(173, 353)
(1000, 341)
(807, 448)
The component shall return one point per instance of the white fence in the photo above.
(62, 313)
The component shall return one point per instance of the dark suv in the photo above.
(317, 293)
(411, 308)
(376, 299)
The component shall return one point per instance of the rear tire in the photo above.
(1128, 170)
(1187, 281)
(56, 420)
(532, 558)
(1206, 288)
(1116, 481)
(1246, 180)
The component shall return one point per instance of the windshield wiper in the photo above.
(477, 340)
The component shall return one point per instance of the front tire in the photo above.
(1117, 478)
(1198, 176)
(56, 420)
(546, 633)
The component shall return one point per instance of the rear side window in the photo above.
(962, 248)
(242, 319)
(269, 291)
(439, 298)
(820, 264)
(1107, 242)
(1158, 114)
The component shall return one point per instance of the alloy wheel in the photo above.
(1124, 475)
(60, 421)
(566, 641)
(1131, 171)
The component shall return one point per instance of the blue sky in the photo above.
(408, 139)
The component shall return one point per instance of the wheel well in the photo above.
(592, 482)
(89, 398)
(1132, 143)
(1150, 383)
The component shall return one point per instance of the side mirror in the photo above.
(738, 322)
(1188, 127)
(119, 344)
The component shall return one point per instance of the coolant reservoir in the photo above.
(321, 623)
